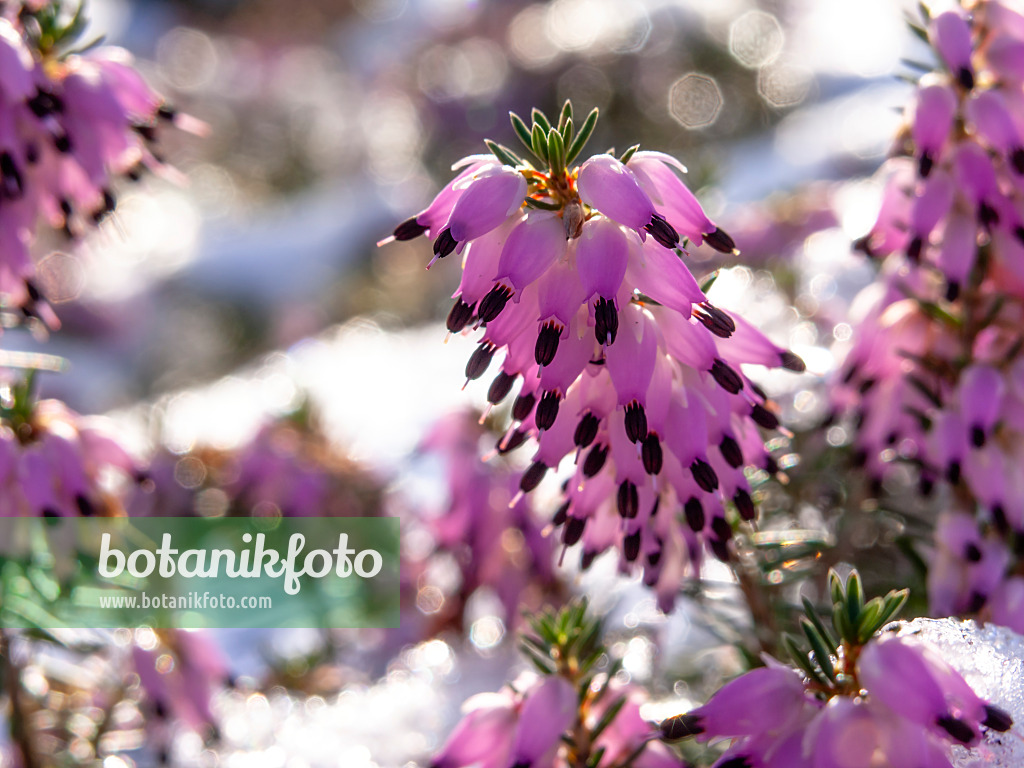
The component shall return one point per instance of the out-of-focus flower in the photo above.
(54, 462)
(565, 717)
(288, 468)
(498, 546)
(72, 122)
(935, 373)
(861, 700)
(179, 672)
(575, 273)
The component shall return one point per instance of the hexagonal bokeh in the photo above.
(695, 100)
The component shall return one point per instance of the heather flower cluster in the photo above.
(935, 376)
(569, 715)
(72, 123)
(575, 274)
(288, 468)
(54, 462)
(859, 699)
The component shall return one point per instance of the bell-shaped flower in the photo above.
(951, 35)
(610, 187)
(483, 737)
(548, 711)
(934, 110)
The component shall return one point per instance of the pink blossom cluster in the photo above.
(57, 463)
(70, 124)
(903, 707)
(935, 375)
(573, 276)
(523, 727)
(287, 468)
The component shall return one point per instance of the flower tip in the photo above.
(386, 240)
(720, 240)
(792, 362)
(997, 719)
(680, 727)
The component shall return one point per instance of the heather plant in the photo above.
(577, 275)
(655, 435)
(934, 374)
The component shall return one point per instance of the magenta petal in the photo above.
(483, 737)
(685, 339)
(1005, 55)
(533, 246)
(847, 734)
(686, 429)
(491, 197)
(748, 345)
(896, 674)
(932, 203)
(673, 197)
(16, 64)
(436, 215)
(574, 352)
(951, 36)
(559, 293)
(990, 117)
(981, 392)
(762, 701)
(933, 118)
(958, 248)
(610, 187)
(602, 253)
(631, 357)
(663, 276)
(974, 173)
(480, 262)
(548, 712)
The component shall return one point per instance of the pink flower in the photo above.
(58, 463)
(903, 706)
(483, 738)
(624, 367)
(70, 125)
(179, 675)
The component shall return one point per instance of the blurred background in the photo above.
(251, 289)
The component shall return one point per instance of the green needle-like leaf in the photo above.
(868, 623)
(539, 118)
(596, 756)
(800, 658)
(565, 116)
(936, 312)
(819, 648)
(567, 132)
(540, 143)
(835, 587)
(542, 205)
(503, 153)
(819, 625)
(582, 137)
(521, 130)
(556, 151)
(628, 154)
(854, 598)
(841, 622)
(892, 605)
(708, 280)
(607, 718)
